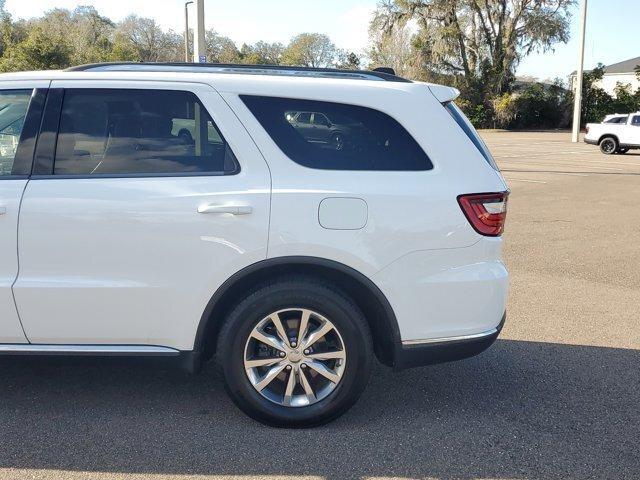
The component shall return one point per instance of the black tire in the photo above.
(293, 292)
(609, 145)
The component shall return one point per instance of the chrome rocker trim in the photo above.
(99, 350)
(451, 339)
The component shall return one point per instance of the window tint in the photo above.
(466, 126)
(342, 137)
(617, 120)
(138, 132)
(13, 108)
(635, 121)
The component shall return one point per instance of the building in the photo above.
(621, 72)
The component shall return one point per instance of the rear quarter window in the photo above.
(336, 136)
(466, 126)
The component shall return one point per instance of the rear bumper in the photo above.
(590, 142)
(420, 353)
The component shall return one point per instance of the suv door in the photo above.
(20, 111)
(633, 131)
(151, 196)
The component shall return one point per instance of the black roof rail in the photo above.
(377, 74)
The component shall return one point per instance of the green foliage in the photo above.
(541, 106)
(596, 103)
(261, 53)
(61, 38)
(348, 61)
(625, 100)
(474, 45)
(220, 49)
(39, 51)
(310, 50)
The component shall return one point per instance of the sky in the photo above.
(611, 25)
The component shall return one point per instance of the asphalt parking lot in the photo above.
(558, 396)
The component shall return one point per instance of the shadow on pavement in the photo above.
(520, 410)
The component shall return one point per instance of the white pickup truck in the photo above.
(616, 134)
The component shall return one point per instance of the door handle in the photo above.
(229, 209)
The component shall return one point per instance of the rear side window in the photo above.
(152, 132)
(617, 120)
(335, 136)
(13, 109)
(468, 129)
(635, 121)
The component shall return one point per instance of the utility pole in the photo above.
(199, 48)
(186, 31)
(577, 105)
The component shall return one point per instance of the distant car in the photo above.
(616, 134)
(336, 132)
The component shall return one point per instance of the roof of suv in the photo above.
(246, 78)
(381, 74)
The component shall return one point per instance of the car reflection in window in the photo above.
(337, 132)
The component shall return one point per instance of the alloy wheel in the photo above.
(608, 146)
(295, 357)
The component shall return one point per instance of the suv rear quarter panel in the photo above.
(410, 215)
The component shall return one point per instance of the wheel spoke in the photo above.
(311, 396)
(275, 319)
(304, 323)
(339, 355)
(325, 371)
(261, 362)
(291, 384)
(268, 340)
(269, 377)
(316, 335)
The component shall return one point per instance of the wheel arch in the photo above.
(369, 298)
(608, 135)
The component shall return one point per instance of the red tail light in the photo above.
(486, 212)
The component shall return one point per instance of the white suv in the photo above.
(293, 223)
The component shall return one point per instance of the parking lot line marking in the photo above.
(524, 180)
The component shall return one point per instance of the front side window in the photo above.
(635, 121)
(336, 136)
(123, 132)
(13, 109)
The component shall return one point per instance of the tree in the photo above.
(220, 49)
(150, 44)
(85, 30)
(477, 44)
(596, 103)
(310, 50)
(263, 53)
(11, 33)
(394, 48)
(39, 51)
(348, 60)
